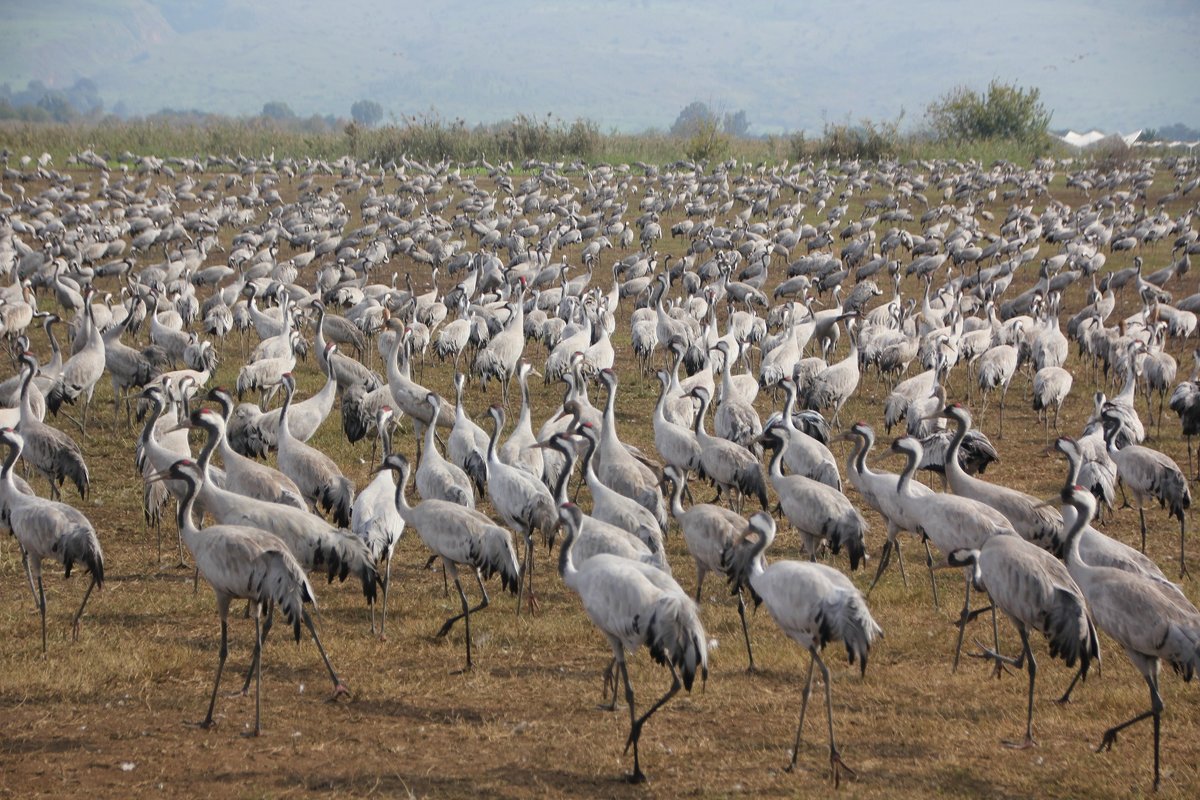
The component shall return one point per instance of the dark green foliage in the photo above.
(1006, 111)
(367, 112)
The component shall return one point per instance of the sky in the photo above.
(626, 64)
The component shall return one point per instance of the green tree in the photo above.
(277, 110)
(367, 113)
(695, 117)
(737, 124)
(1006, 111)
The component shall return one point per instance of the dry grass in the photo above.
(106, 716)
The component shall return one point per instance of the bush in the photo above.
(1005, 112)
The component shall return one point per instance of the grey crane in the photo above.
(315, 543)
(47, 529)
(727, 464)
(468, 443)
(460, 537)
(318, 477)
(436, 477)
(1051, 385)
(408, 395)
(805, 454)
(522, 501)
(52, 453)
(675, 443)
(834, 385)
(1149, 474)
(1096, 548)
(708, 531)
(616, 466)
(1034, 521)
(613, 507)
(1151, 624)
(246, 476)
(127, 367)
(242, 562)
(1035, 591)
(499, 357)
(596, 536)
(1185, 401)
(814, 605)
(375, 519)
(80, 372)
(995, 371)
(518, 450)
(630, 607)
(879, 490)
(952, 523)
(820, 514)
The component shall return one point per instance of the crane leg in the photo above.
(257, 666)
(259, 642)
(42, 609)
(835, 758)
(29, 575)
(1142, 520)
(805, 693)
(1183, 570)
(222, 654)
(339, 688)
(635, 730)
(387, 583)
(79, 613)
(1155, 711)
(932, 579)
(884, 558)
(745, 630)
(610, 682)
(1066, 698)
(900, 562)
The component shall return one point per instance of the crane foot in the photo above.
(1025, 744)
(339, 690)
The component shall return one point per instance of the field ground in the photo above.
(107, 716)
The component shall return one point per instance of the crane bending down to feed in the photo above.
(241, 562)
(813, 604)
(631, 609)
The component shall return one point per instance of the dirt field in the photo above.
(108, 716)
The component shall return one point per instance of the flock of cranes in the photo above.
(163, 280)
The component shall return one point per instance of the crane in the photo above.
(632, 608)
(879, 490)
(1151, 624)
(813, 604)
(52, 453)
(47, 529)
(708, 530)
(436, 477)
(375, 520)
(727, 464)
(461, 537)
(317, 476)
(520, 499)
(819, 513)
(242, 562)
(1035, 591)
(1149, 474)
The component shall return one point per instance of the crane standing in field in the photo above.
(1149, 474)
(1034, 589)
(460, 536)
(47, 529)
(1150, 622)
(813, 604)
(632, 609)
(241, 562)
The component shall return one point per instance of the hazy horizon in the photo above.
(630, 65)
